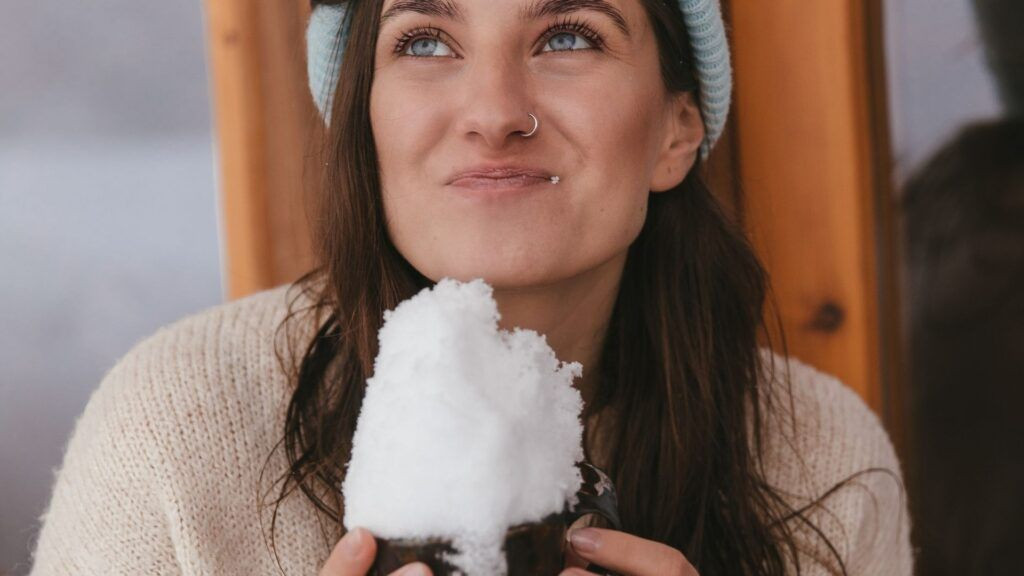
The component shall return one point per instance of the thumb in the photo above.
(352, 555)
(572, 559)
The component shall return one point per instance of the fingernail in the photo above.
(353, 542)
(416, 570)
(584, 539)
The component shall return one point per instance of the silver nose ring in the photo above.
(536, 123)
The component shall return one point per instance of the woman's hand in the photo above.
(624, 554)
(353, 556)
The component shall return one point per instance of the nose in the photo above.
(497, 103)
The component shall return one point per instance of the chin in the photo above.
(500, 271)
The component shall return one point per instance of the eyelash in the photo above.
(563, 25)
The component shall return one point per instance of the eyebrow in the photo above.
(541, 8)
(536, 9)
(442, 8)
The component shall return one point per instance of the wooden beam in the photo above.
(264, 123)
(806, 160)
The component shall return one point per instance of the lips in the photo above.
(499, 176)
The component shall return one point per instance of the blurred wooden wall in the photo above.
(267, 129)
(814, 166)
(803, 164)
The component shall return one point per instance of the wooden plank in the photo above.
(803, 116)
(295, 133)
(895, 379)
(234, 59)
(264, 122)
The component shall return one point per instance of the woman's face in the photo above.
(452, 93)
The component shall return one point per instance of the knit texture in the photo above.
(713, 65)
(327, 35)
(163, 470)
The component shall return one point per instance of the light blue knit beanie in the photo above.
(328, 27)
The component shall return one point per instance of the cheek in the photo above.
(404, 131)
(614, 123)
(393, 122)
(617, 136)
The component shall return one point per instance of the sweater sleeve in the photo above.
(838, 464)
(105, 515)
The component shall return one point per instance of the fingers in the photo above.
(354, 553)
(574, 560)
(417, 569)
(629, 555)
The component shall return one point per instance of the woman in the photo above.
(553, 148)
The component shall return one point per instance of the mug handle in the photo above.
(595, 496)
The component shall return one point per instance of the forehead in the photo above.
(527, 10)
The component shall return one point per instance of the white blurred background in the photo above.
(108, 210)
(108, 216)
(938, 79)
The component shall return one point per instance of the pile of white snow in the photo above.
(465, 429)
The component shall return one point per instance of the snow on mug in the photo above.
(531, 549)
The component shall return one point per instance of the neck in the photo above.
(573, 314)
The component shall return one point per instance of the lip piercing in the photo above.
(536, 123)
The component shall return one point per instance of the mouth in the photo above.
(499, 176)
(500, 183)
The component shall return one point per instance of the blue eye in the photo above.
(424, 47)
(564, 36)
(422, 42)
(565, 41)
(563, 32)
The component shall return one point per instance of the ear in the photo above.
(684, 134)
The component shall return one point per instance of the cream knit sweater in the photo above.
(162, 472)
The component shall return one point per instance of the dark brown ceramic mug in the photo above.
(534, 549)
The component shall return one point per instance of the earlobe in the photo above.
(683, 138)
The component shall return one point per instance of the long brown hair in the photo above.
(679, 370)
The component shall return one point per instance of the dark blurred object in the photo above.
(530, 549)
(535, 549)
(964, 222)
(1000, 22)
